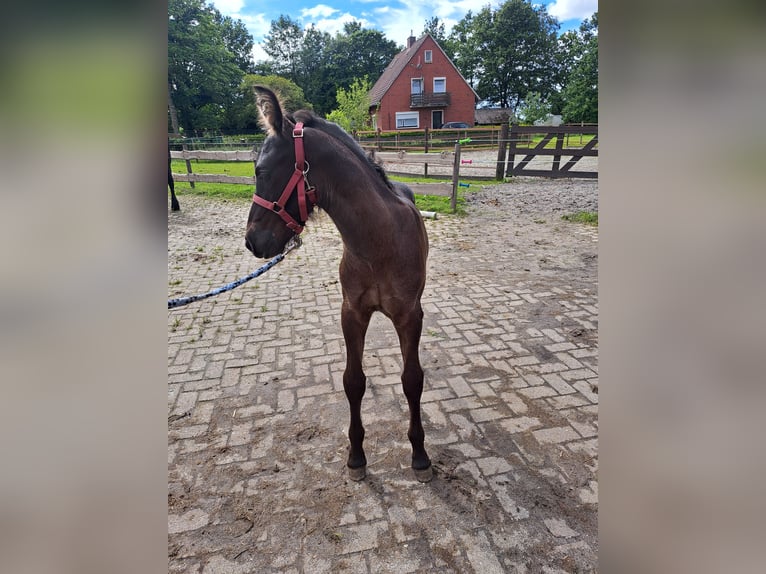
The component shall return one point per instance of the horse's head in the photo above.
(275, 216)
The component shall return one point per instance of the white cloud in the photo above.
(318, 11)
(572, 9)
(398, 19)
(335, 25)
(228, 7)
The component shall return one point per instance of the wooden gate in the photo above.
(521, 136)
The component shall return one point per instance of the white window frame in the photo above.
(412, 85)
(428, 56)
(444, 81)
(404, 120)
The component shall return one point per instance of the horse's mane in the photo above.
(311, 120)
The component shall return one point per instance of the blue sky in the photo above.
(395, 18)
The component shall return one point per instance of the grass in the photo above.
(586, 217)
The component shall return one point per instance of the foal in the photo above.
(385, 247)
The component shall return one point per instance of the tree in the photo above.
(314, 79)
(203, 71)
(290, 95)
(353, 54)
(237, 40)
(435, 27)
(246, 112)
(321, 64)
(580, 92)
(533, 108)
(507, 53)
(283, 44)
(463, 49)
(353, 111)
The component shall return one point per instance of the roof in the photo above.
(397, 65)
(493, 115)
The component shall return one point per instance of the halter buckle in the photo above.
(298, 132)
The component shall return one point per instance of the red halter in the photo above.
(298, 182)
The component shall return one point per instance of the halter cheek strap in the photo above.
(298, 183)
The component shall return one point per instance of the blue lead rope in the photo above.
(180, 302)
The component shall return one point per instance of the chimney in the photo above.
(411, 40)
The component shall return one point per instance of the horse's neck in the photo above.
(360, 212)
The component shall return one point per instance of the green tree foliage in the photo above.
(435, 27)
(580, 92)
(353, 108)
(245, 113)
(354, 54)
(321, 64)
(509, 52)
(533, 108)
(283, 44)
(462, 46)
(207, 56)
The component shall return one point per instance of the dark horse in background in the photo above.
(307, 161)
(174, 205)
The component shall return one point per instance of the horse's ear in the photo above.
(270, 110)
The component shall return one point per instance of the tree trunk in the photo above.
(173, 113)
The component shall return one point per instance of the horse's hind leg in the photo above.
(354, 324)
(174, 205)
(409, 329)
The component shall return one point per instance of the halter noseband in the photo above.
(298, 182)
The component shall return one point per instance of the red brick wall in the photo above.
(397, 98)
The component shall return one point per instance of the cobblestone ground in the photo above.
(257, 415)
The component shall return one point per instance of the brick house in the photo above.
(421, 88)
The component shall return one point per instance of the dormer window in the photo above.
(428, 56)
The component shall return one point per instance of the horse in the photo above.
(174, 205)
(385, 247)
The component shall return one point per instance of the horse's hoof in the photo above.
(358, 473)
(424, 474)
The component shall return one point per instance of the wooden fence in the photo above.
(518, 144)
(510, 143)
(191, 177)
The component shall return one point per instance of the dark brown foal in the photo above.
(385, 247)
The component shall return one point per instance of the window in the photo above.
(407, 120)
(416, 85)
(440, 85)
(428, 56)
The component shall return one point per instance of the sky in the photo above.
(397, 19)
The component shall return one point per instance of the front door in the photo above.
(437, 119)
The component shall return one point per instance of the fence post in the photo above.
(501, 151)
(455, 176)
(511, 155)
(557, 158)
(425, 165)
(188, 164)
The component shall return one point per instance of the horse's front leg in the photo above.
(354, 324)
(409, 329)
